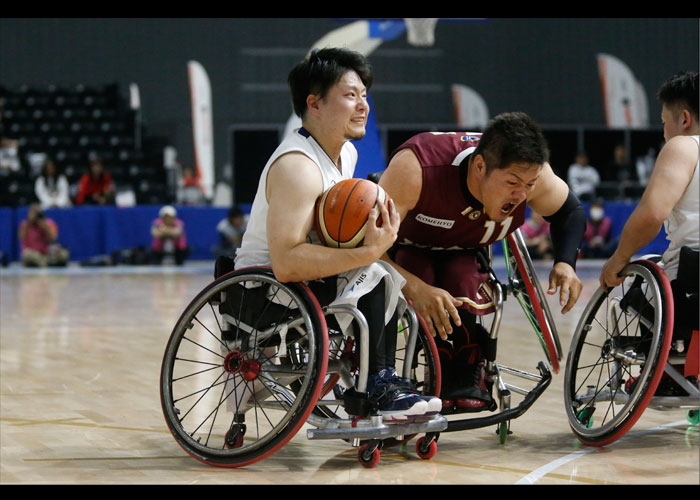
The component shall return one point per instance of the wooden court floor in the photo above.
(80, 356)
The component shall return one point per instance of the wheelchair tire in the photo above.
(528, 290)
(618, 354)
(424, 369)
(225, 367)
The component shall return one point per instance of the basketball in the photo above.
(342, 211)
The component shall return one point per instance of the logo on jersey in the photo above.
(432, 221)
(470, 138)
(471, 213)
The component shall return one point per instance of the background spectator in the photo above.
(230, 232)
(51, 187)
(597, 242)
(38, 236)
(645, 164)
(96, 185)
(620, 169)
(189, 190)
(583, 178)
(537, 239)
(169, 239)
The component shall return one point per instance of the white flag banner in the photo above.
(624, 98)
(202, 126)
(470, 108)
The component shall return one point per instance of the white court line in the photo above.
(537, 474)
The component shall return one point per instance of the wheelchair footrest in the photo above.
(509, 414)
(375, 428)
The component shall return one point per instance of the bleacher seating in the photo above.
(72, 124)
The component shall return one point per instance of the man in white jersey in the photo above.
(329, 94)
(671, 198)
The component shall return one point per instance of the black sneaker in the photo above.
(394, 402)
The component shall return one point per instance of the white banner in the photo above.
(202, 126)
(624, 98)
(470, 108)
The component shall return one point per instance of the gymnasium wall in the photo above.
(545, 67)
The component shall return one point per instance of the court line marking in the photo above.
(539, 473)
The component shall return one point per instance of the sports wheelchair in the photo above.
(252, 360)
(625, 355)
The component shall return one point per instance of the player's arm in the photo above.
(553, 200)
(403, 180)
(669, 179)
(293, 185)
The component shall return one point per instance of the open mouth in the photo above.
(506, 208)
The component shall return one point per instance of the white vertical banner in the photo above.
(624, 98)
(202, 126)
(470, 108)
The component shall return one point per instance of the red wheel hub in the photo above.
(236, 363)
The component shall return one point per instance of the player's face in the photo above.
(672, 123)
(346, 107)
(504, 189)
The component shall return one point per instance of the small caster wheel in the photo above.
(503, 432)
(426, 449)
(234, 436)
(368, 456)
(586, 417)
(693, 416)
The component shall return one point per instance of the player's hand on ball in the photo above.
(383, 227)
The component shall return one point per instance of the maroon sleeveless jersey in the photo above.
(447, 216)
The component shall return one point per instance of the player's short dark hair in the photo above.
(322, 69)
(680, 90)
(512, 137)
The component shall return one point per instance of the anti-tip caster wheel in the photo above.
(426, 448)
(368, 456)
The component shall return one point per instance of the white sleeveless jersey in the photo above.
(683, 224)
(254, 250)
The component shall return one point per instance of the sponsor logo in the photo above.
(432, 221)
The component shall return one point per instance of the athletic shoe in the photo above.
(473, 392)
(393, 402)
(391, 377)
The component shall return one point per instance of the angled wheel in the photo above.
(230, 362)
(532, 299)
(618, 354)
(422, 366)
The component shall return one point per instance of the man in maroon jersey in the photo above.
(457, 193)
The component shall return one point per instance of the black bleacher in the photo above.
(71, 124)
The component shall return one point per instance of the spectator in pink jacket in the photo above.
(537, 238)
(169, 239)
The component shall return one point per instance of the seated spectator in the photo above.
(583, 178)
(38, 236)
(9, 157)
(169, 239)
(95, 186)
(620, 168)
(597, 240)
(537, 238)
(51, 187)
(190, 191)
(230, 232)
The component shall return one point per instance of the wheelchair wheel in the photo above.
(229, 364)
(424, 368)
(532, 299)
(618, 354)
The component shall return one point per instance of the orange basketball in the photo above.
(342, 211)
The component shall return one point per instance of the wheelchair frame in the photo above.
(288, 365)
(620, 350)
